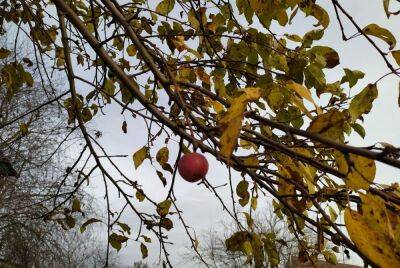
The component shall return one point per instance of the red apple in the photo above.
(193, 167)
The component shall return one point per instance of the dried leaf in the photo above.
(140, 156)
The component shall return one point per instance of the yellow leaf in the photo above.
(271, 249)
(144, 251)
(362, 171)
(162, 155)
(131, 50)
(192, 18)
(251, 161)
(332, 213)
(382, 33)
(254, 203)
(282, 17)
(299, 104)
(362, 174)
(396, 56)
(140, 156)
(218, 107)
(252, 93)
(249, 220)
(179, 43)
(231, 123)
(163, 207)
(247, 249)
(303, 92)
(308, 174)
(380, 244)
(203, 76)
(23, 128)
(329, 124)
(165, 7)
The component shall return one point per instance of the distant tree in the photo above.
(34, 174)
(213, 244)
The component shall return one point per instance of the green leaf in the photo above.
(140, 156)
(279, 62)
(330, 256)
(86, 114)
(247, 249)
(386, 7)
(317, 12)
(258, 250)
(165, 7)
(90, 221)
(116, 240)
(352, 76)
(192, 18)
(124, 227)
(315, 77)
(271, 249)
(311, 36)
(163, 208)
(294, 37)
(76, 205)
(362, 102)
(330, 56)
(242, 192)
(359, 129)
(332, 214)
(109, 87)
(140, 195)
(118, 43)
(249, 220)
(382, 33)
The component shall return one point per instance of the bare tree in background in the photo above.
(213, 249)
(34, 157)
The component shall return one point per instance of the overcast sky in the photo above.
(201, 209)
